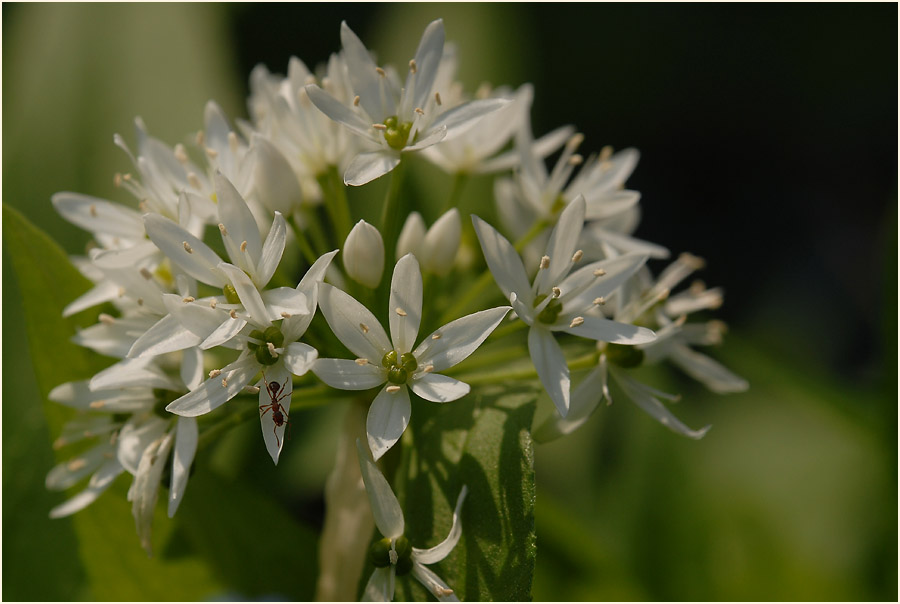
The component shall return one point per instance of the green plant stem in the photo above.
(527, 373)
(390, 217)
(317, 235)
(307, 251)
(336, 203)
(459, 183)
(511, 327)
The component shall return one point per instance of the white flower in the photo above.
(435, 248)
(393, 556)
(559, 301)
(394, 118)
(276, 352)
(394, 361)
(364, 254)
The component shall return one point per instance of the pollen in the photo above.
(212, 303)
(437, 98)
(187, 247)
(599, 272)
(224, 382)
(188, 300)
(223, 230)
(436, 336)
(117, 180)
(599, 301)
(121, 292)
(545, 262)
(412, 66)
(200, 139)
(107, 319)
(243, 246)
(575, 141)
(271, 347)
(193, 180)
(215, 373)
(379, 126)
(212, 153)
(233, 314)
(576, 322)
(356, 101)
(419, 111)
(428, 369)
(392, 389)
(233, 142)
(285, 315)
(93, 210)
(400, 311)
(556, 292)
(180, 155)
(380, 71)
(442, 592)
(577, 256)
(97, 404)
(605, 153)
(364, 327)
(362, 362)
(251, 389)
(576, 160)
(76, 464)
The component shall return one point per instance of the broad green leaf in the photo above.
(481, 441)
(116, 566)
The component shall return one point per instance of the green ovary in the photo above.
(271, 335)
(396, 133)
(380, 556)
(399, 366)
(550, 312)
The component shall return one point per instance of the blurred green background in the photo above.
(768, 140)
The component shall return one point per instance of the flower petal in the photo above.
(597, 280)
(191, 370)
(239, 224)
(131, 373)
(298, 357)
(200, 263)
(105, 476)
(639, 395)
(387, 419)
(605, 330)
(272, 251)
(134, 438)
(561, 246)
(145, 487)
(443, 549)
(504, 262)
(166, 335)
(405, 312)
(248, 294)
(353, 324)
(337, 111)
(711, 373)
(366, 167)
(428, 57)
(216, 391)
(458, 339)
(433, 583)
(288, 300)
(186, 438)
(275, 390)
(585, 399)
(98, 215)
(438, 388)
(462, 117)
(551, 366)
(385, 507)
(295, 326)
(349, 375)
(379, 587)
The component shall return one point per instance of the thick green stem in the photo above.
(300, 236)
(459, 183)
(336, 203)
(390, 217)
(526, 373)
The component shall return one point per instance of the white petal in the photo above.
(433, 583)
(432, 136)
(387, 419)
(349, 375)
(385, 507)
(610, 204)
(704, 369)
(223, 334)
(200, 263)
(378, 589)
(295, 326)
(108, 472)
(199, 319)
(366, 167)
(463, 117)
(102, 292)
(639, 395)
(192, 367)
(412, 236)
(428, 57)
(275, 390)
(438, 388)
(594, 235)
(443, 549)
(582, 287)
(442, 243)
(337, 111)
(298, 358)
(126, 257)
(69, 472)
(146, 487)
(353, 324)
(604, 330)
(212, 393)
(502, 259)
(405, 312)
(186, 438)
(366, 82)
(239, 223)
(167, 335)
(134, 438)
(271, 251)
(285, 300)
(458, 339)
(131, 373)
(98, 215)
(248, 294)
(277, 186)
(79, 395)
(561, 246)
(584, 402)
(551, 366)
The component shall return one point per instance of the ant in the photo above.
(279, 415)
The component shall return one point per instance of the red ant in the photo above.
(279, 415)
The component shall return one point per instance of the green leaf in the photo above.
(115, 565)
(483, 442)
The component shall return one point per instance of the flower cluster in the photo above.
(212, 276)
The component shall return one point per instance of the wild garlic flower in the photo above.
(273, 350)
(558, 300)
(393, 556)
(393, 361)
(392, 117)
(436, 248)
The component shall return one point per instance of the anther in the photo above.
(126, 177)
(271, 348)
(233, 142)
(356, 101)
(392, 389)
(224, 382)
(233, 314)
(419, 111)
(437, 98)
(117, 180)
(599, 272)
(364, 327)
(380, 71)
(121, 292)
(576, 322)
(188, 299)
(142, 204)
(140, 301)
(187, 247)
(400, 311)
(428, 369)
(575, 141)
(93, 210)
(200, 138)
(212, 303)
(223, 230)
(146, 274)
(193, 180)
(545, 262)
(442, 592)
(412, 66)
(212, 153)
(180, 155)
(215, 373)
(605, 153)
(243, 246)
(556, 292)
(576, 160)
(599, 301)
(577, 256)
(106, 319)
(362, 362)
(436, 336)
(285, 315)
(97, 404)
(392, 553)
(76, 464)
(379, 126)
(251, 389)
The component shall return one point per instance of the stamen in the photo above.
(213, 302)
(575, 141)
(180, 155)
(362, 362)
(437, 98)
(126, 177)
(364, 327)
(200, 138)
(76, 464)
(412, 66)
(233, 314)
(224, 382)
(442, 592)
(212, 153)
(419, 111)
(392, 389)
(146, 274)
(117, 180)
(188, 300)
(215, 373)
(436, 336)
(223, 230)
(392, 553)
(243, 246)
(599, 272)
(380, 71)
(545, 262)
(121, 292)
(577, 256)
(93, 210)
(605, 153)
(106, 319)
(379, 127)
(285, 315)
(193, 180)
(356, 101)
(97, 404)
(576, 322)
(187, 247)
(428, 369)
(556, 292)
(400, 311)
(142, 204)
(233, 142)
(576, 160)
(271, 347)
(600, 301)
(251, 389)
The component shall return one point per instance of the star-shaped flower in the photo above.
(393, 556)
(558, 300)
(394, 361)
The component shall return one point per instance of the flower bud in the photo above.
(441, 243)
(411, 236)
(364, 254)
(277, 186)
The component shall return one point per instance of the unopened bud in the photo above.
(441, 243)
(411, 236)
(364, 254)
